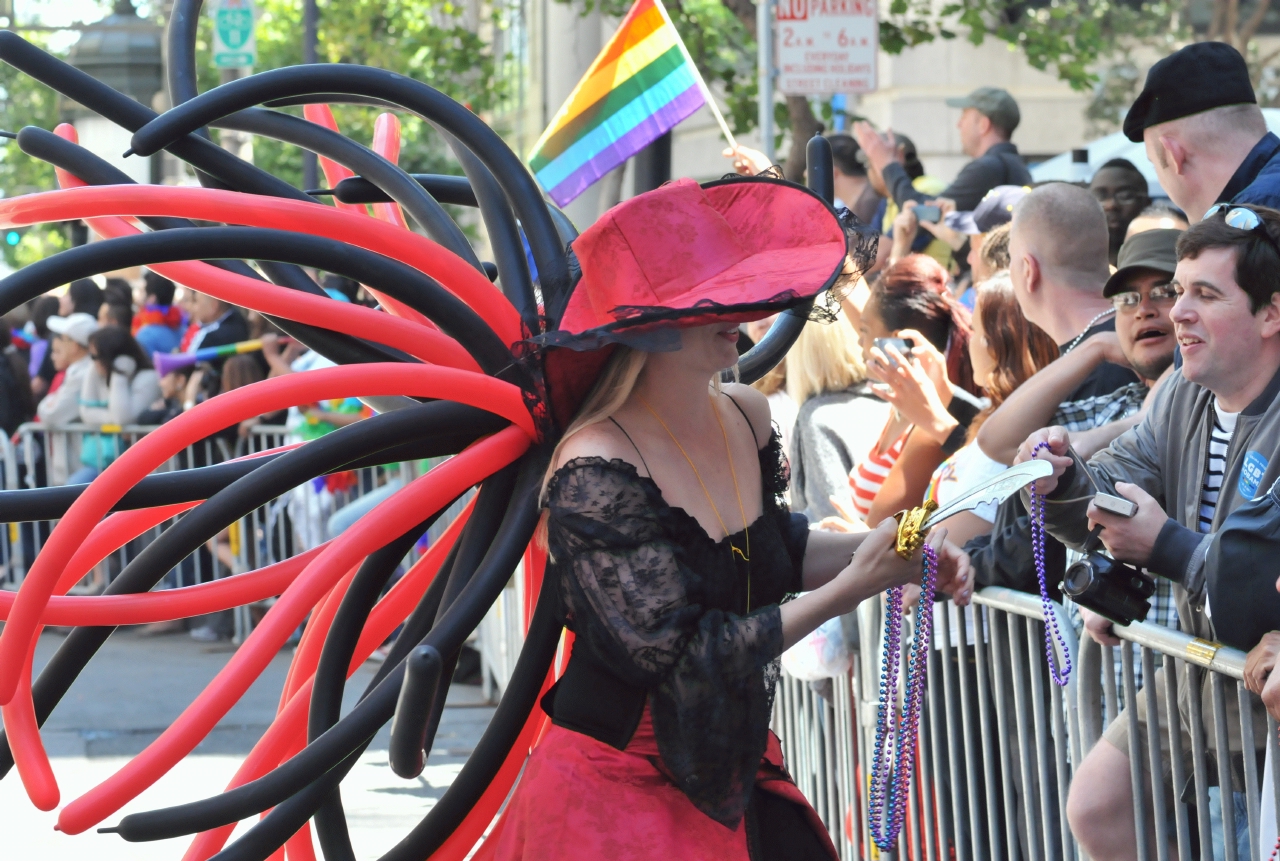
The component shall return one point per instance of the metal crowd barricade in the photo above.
(49, 456)
(1173, 792)
(999, 741)
(12, 565)
(500, 638)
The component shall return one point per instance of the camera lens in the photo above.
(1078, 579)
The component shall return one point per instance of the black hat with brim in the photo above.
(1198, 78)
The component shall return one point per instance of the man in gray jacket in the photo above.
(1208, 444)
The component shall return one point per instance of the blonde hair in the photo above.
(825, 358)
(610, 392)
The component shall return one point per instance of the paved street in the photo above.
(136, 686)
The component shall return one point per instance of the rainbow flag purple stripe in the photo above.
(640, 86)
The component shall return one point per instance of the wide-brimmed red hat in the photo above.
(685, 254)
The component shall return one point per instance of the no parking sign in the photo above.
(826, 46)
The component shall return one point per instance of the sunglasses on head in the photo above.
(1242, 218)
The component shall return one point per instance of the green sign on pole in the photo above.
(234, 44)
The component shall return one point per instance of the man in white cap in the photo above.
(70, 350)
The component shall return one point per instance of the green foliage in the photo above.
(428, 41)
(24, 102)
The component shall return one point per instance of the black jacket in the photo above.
(1241, 572)
(1004, 556)
(999, 165)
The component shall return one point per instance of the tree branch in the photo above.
(804, 125)
(1250, 28)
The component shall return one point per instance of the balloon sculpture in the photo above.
(448, 372)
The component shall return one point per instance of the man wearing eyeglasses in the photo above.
(1209, 443)
(1122, 190)
(1204, 132)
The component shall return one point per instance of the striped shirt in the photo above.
(869, 475)
(1224, 424)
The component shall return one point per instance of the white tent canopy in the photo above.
(1112, 146)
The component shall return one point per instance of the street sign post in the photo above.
(234, 43)
(824, 47)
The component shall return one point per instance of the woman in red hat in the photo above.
(670, 545)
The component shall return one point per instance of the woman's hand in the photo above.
(747, 161)
(933, 362)
(909, 388)
(905, 228)
(877, 566)
(954, 238)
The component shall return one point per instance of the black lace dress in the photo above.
(671, 626)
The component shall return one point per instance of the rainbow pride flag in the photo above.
(642, 84)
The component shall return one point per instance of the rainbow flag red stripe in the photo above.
(642, 84)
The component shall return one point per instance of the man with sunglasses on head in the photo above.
(1207, 445)
(1204, 132)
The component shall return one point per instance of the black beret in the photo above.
(1200, 77)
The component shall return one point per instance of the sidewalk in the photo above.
(136, 686)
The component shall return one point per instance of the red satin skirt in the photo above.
(581, 800)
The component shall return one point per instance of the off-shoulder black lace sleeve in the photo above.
(631, 597)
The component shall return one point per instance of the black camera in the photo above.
(1109, 588)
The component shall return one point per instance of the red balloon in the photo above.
(227, 409)
(289, 727)
(397, 514)
(206, 204)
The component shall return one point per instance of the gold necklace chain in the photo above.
(745, 555)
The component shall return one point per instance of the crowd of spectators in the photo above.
(79, 377)
(1135, 323)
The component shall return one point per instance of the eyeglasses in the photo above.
(1122, 196)
(1244, 219)
(1131, 299)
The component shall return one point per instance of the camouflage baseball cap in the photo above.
(996, 104)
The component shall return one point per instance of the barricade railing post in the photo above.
(1222, 748)
(1136, 782)
(11, 540)
(983, 670)
(1251, 779)
(1177, 763)
(1044, 765)
(1154, 765)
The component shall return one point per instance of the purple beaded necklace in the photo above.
(1060, 678)
(893, 758)
(894, 754)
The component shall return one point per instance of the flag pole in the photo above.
(706, 91)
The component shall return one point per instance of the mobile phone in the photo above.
(1115, 504)
(902, 345)
(931, 214)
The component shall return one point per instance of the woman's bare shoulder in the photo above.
(756, 407)
(602, 439)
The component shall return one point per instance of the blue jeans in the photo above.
(1241, 823)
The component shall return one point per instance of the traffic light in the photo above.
(12, 237)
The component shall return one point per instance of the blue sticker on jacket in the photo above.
(1251, 474)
